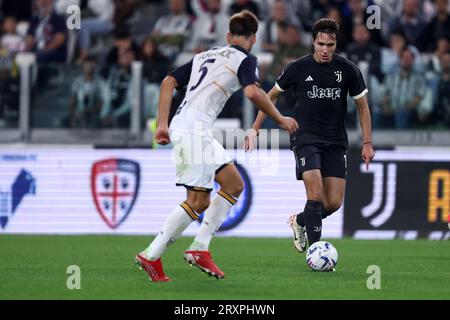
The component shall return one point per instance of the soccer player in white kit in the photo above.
(211, 78)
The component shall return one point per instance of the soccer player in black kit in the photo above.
(321, 82)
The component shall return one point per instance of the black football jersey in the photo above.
(321, 98)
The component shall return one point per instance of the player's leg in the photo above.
(231, 186)
(177, 221)
(314, 208)
(334, 189)
(189, 175)
(308, 165)
(334, 171)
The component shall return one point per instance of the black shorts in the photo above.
(332, 161)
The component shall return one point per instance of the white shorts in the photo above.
(197, 159)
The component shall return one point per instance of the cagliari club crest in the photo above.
(115, 186)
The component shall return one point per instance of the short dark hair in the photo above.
(244, 23)
(326, 26)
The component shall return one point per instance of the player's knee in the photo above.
(234, 189)
(315, 193)
(237, 188)
(200, 205)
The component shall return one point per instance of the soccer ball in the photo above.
(321, 256)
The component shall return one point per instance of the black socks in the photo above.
(301, 217)
(326, 213)
(312, 217)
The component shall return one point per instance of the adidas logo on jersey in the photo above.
(309, 79)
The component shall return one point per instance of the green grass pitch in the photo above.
(34, 267)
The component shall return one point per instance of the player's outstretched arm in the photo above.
(250, 139)
(168, 85)
(367, 152)
(273, 96)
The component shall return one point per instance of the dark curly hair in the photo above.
(328, 26)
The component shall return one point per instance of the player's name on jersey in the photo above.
(321, 93)
(226, 53)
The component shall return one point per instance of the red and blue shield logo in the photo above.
(115, 186)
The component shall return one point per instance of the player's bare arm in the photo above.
(168, 85)
(263, 103)
(250, 139)
(273, 96)
(367, 152)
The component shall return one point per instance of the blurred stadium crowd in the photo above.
(83, 76)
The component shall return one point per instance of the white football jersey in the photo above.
(211, 78)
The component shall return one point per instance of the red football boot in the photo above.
(154, 269)
(204, 261)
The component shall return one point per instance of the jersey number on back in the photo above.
(204, 70)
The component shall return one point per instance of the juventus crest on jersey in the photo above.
(211, 78)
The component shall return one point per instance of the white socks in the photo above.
(177, 221)
(215, 215)
(182, 216)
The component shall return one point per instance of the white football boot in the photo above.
(300, 239)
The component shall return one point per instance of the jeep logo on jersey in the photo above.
(23, 185)
(115, 186)
(240, 209)
(321, 93)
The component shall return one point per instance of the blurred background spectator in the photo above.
(87, 97)
(99, 23)
(9, 98)
(274, 25)
(156, 66)
(11, 40)
(390, 60)
(172, 30)
(289, 48)
(208, 30)
(404, 92)
(363, 49)
(442, 47)
(11, 43)
(123, 41)
(125, 10)
(344, 37)
(355, 13)
(411, 22)
(437, 28)
(442, 113)
(46, 34)
(117, 107)
(239, 5)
